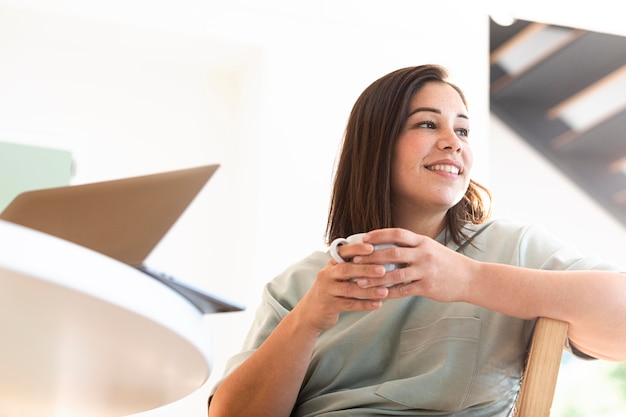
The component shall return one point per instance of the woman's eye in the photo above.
(462, 132)
(427, 125)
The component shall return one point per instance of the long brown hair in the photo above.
(361, 199)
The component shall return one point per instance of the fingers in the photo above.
(401, 237)
(361, 304)
(370, 266)
(348, 275)
(351, 289)
(345, 252)
(341, 283)
(385, 255)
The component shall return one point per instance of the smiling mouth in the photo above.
(445, 168)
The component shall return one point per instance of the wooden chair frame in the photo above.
(542, 368)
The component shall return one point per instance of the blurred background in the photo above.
(264, 88)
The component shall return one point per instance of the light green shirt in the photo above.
(415, 356)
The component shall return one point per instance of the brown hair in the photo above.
(361, 199)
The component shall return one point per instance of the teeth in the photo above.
(447, 168)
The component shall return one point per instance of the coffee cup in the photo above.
(357, 238)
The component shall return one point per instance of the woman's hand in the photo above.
(425, 267)
(335, 289)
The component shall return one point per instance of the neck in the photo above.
(429, 226)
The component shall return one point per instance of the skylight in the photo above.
(594, 104)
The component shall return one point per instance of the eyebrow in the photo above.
(433, 110)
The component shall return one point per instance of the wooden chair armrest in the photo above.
(542, 368)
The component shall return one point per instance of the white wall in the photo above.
(529, 189)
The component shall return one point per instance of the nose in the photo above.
(450, 141)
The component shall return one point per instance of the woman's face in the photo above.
(432, 158)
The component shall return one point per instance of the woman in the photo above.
(446, 332)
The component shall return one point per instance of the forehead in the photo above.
(438, 95)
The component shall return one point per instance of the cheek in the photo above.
(409, 150)
(468, 159)
(405, 164)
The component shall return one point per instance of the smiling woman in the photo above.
(378, 172)
(423, 179)
(354, 338)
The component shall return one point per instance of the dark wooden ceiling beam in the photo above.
(583, 94)
(523, 36)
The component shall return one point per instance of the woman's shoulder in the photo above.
(505, 225)
(509, 229)
(498, 238)
(502, 231)
(310, 263)
(295, 280)
(529, 245)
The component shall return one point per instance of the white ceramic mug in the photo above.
(357, 238)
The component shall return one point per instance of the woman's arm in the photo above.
(269, 381)
(592, 302)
